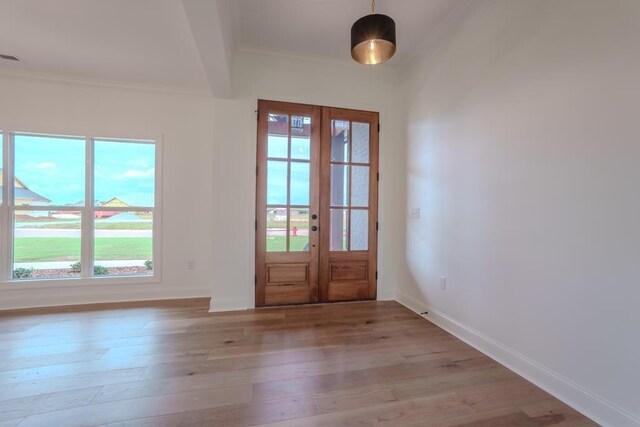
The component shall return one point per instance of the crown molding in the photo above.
(384, 69)
(113, 84)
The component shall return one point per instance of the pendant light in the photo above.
(373, 38)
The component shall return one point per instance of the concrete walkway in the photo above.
(52, 232)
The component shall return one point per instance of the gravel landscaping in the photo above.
(113, 271)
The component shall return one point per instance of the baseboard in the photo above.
(190, 303)
(228, 304)
(38, 298)
(585, 401)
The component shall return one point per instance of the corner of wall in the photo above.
(585, 401)
(218, 305)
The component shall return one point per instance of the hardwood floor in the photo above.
(368, 363)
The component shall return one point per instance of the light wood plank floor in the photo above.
(368, 363)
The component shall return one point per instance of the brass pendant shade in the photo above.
(373, 39)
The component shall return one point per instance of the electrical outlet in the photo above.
(415, 213)
(443, 283)
(191, 265)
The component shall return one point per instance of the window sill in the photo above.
(67, 282)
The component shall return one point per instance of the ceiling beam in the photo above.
(210, 22)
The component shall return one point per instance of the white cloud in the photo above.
(135, 173)
(44, 165)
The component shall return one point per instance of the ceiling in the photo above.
(322, 27)
(133, 41)
(189, 44)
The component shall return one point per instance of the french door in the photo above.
(316, 204)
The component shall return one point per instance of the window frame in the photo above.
(8, 209)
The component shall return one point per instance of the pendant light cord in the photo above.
(373, 7)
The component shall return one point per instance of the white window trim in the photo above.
(7, 282)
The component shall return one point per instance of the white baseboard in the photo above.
(585, 401)
(35, 298)
(228, 304)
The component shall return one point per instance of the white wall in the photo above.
(523, 154)
(209, 167)
(282, 77)
(184, 124)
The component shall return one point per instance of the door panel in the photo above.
(316, 204)
(348, 238)
(287, 197)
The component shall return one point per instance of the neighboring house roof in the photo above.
(114, 202)
(26, 194)
(81, 203)
(18, 183)
(133, 199)
(23, 193)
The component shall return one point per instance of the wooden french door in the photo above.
(316, 204)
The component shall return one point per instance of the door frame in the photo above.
(320, 275)
(261, 255)
(330, 259)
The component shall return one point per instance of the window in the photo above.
(77, 207)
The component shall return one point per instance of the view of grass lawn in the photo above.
(40, 249)
(278, 243)
(131, 225)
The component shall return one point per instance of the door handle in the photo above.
(314, 228)
(314, 216)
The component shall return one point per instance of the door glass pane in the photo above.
(339, 227)
(339, 141)
(300, 137)
(276, 229)
(278, 136)
(360, 186)
(339, 185)
(300, 148)
(360, 149)
(46, 246)
(49, 171)
(276, 182)
(123, 243)
(299, 230)
(299, 183)
(359, 230)
(125, 174)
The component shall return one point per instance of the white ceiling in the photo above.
(322, 27)
(188, 44)
(134, 41)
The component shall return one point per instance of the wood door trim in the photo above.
(371, 255)
(325, 202)
(264, 107)
(320, 162)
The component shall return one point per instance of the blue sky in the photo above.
(277, 171)
(54, 168)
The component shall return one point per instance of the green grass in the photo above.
(100, 226)
(39, 249)
(278, 243)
